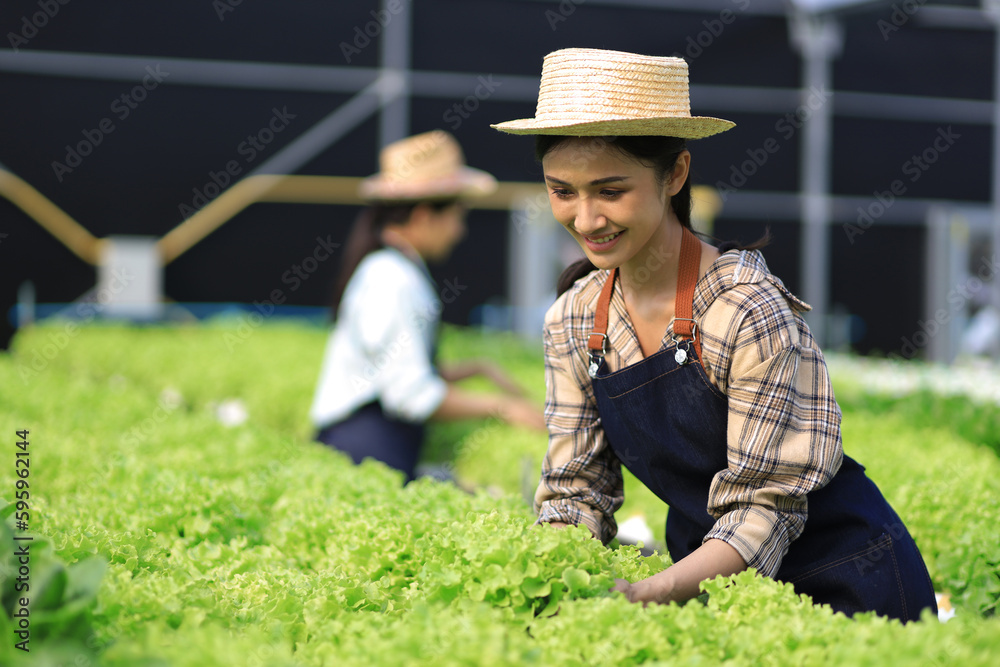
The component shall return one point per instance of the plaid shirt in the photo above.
(783, 431)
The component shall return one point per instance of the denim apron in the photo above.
(370, 433)
(666, 423)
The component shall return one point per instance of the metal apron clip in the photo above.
(681, 354)
(597, 356)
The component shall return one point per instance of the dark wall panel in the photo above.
(931, 160)
(290, 31)
(915, 59)
(868, 283)
(165, 150)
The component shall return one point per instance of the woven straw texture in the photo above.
(592, 92)
(425, 166)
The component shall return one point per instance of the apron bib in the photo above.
(666, 423)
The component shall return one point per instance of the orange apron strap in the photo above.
(598, 340)
(684, 324)
(687, 278)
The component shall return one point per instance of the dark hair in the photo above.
(658, 153)
(366, 237)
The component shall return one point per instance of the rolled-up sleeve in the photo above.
(783, 433)
(581, 480)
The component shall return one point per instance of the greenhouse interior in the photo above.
(397, 332)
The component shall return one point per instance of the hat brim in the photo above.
(690, 127)
(466, 183)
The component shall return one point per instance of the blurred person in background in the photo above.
(691, 364)
(980, 339)
(379, 383)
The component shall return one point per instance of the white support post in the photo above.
(992, 7)
(819, 39)
(130, 278)
(394, 46)
(532, 268)
(940, 331)
(25, 304)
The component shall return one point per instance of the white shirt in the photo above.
(382, 344)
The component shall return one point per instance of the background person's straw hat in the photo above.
(425, 167)
(593, 92)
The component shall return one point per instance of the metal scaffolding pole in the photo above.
(819, 39)
(992, 7)
(532, 266)
(394, 45)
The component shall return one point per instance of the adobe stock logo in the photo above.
(221, 7)
(914, 168)
(461, 111)
(372, 29)
(294, 276)
(901, 13)
(958, 297)
(122, 107)
(90, 306)
(404, 341)
(249, 149)
(697, 44)
(566, 9)
(37, 21)
(786, 127)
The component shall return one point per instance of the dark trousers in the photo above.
(370, 433)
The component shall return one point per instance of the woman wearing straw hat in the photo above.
(690, 364)
(379, 384)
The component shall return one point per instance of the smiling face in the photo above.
(613, 205)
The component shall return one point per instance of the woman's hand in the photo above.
(460, 404)
(520, 412)
(633, 592)
(624, 587)
(458, 371)
(511, 406)
(500, 378)
(682, 580)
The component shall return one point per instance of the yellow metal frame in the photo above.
(276, 188)
(55, 220)
(270, 188)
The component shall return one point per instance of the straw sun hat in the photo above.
(424, 167)
(593, 92)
